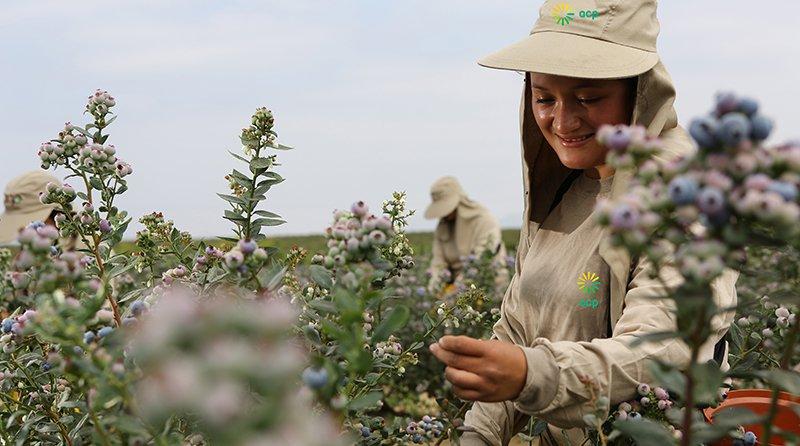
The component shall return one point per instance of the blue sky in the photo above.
(374, 95)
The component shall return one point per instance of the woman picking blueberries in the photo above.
(580, 72)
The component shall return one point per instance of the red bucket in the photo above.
(758, 401)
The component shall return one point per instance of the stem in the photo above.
(97, 426)
(784, 365)
(689, 400)
(52, 415)
(250, 205)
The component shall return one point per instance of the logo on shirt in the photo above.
(589, 283)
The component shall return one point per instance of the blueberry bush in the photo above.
(174, 340)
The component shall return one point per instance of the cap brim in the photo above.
(443, 207)
(571, 55)
(11, 223)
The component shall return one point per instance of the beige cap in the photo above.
(446, 193)
(22, 205)
(594, 39)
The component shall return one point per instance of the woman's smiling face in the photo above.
(570, 110)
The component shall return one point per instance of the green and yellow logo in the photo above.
(589, 283)
(564, 14)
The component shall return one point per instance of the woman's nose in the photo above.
(566, 119)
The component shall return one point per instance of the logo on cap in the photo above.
(11, 201)
(563, 14)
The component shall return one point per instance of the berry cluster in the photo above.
(100, 103)
(13, 329)
(355, 236)
(731, 184)
(244, 256)
(424, 430)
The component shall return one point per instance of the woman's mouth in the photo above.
(575, 142)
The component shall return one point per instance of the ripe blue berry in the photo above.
(711, 201)
(749, 438)
(761, 127)
(365, 431)
(7, 323)
(748, 106)
(704, 131)
(137, 308)
(734, 128)
(105, 331)
(88, 337)
(315, 378)
(786, 190)
(682, 190)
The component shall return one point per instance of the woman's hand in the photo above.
(488, 371)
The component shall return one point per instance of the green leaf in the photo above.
(234, 216)
(367, 401)
(96, 183)
(268, 222)
(267, 214)
(668, 377)
(321, 276)
(120, 269)
(231, 199)
(708, 379)
(239, 157)
(786, 380)
(736, 338)
(325, 306)
(282, 147)
(260, 163)
(396, 320)
(645, 432)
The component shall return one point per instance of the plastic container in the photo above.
(758, 400)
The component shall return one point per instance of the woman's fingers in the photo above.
(454, 359)
(467, 394)
(463, 345)
(463, 378)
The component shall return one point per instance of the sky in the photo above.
(374, 95)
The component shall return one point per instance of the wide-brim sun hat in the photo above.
(603, 39)
(446, 194)
(22, 205)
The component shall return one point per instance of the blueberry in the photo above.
(682, 190)
(418, 438)
(315, 378)
(7, 323)
(786, 190)
(635, 416)
(365, 432)
(46, 366)
(749, 438)
(624, 217)
(619, 140)
(761, 127)
(88, 337)
(105, 331)
(734, 128)
(137, 308)
(748, 106)
(704, 131)
(128, 321)
(726, 103)
(711, 201)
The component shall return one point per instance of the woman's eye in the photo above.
(543, 101)
(588, 100)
